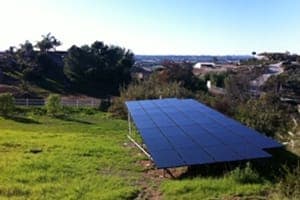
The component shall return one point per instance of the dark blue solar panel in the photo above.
(206, 140)
(222, 153)
(185, 132)
(137, 112)
(157, 144)
(141, 124)
(181, 141)
(262, 141)
(172, 131)
(147, 104)
(132, 105)
(205, 121)
(193, 130)
(248, 151)
(152, 134)
(195, 155)
(230, 138)
(182, 121)
(163, 122)
(167, 158)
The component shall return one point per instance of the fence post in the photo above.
(77, 103)
(27, 102)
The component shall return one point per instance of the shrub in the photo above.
(245, 175)
(152, 88)
(264, 114)
(7, 105)
(53, 105)
(289, 186)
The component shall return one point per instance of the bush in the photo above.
(289, 186)
(245, 175)
(53, 105)
(152, 88)
(7, 105)
(264, 114)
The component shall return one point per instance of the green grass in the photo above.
(84, 156)
(80, 159)
(211, 188)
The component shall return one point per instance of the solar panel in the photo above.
(180, 132)
(222, 153)
(194, 155)
(167, 159)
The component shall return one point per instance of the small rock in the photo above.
(35, 150)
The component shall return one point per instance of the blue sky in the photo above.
(180, 27)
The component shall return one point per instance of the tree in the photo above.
(182, 73)
(237, 88)
(47, 43)
(98, 66)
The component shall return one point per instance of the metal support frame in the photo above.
(166, 170)
(129, 136)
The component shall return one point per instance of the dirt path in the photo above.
(150, 182)
(274, 69)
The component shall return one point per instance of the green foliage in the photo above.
(98, 66)
(152, 88)
(79, 110)
(6, 104)
(47, 43)
(289, 187)
(53, 105)
(216, 78)
(287, 84)
(245, 175)
(263, 114)
(97, 70)
(237, 88)
(183, 74)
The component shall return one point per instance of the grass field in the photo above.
(85, 156)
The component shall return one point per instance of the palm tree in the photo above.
(47, 43)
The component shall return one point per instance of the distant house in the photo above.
(140, 73)
(261, 57)
(199, 65)
(157, 68)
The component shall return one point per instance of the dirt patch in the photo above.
(152, 178)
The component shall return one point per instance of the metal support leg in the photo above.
(129, 125)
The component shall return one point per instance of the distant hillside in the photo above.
(191, 58)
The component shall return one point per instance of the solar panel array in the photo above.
(185, 132)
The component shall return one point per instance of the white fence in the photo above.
(66, 102)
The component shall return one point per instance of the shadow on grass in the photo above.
(271, 169)
(69, 119)
(22, 119)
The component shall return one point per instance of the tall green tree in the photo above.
(98, 65)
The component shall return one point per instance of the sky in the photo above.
(157, 27)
